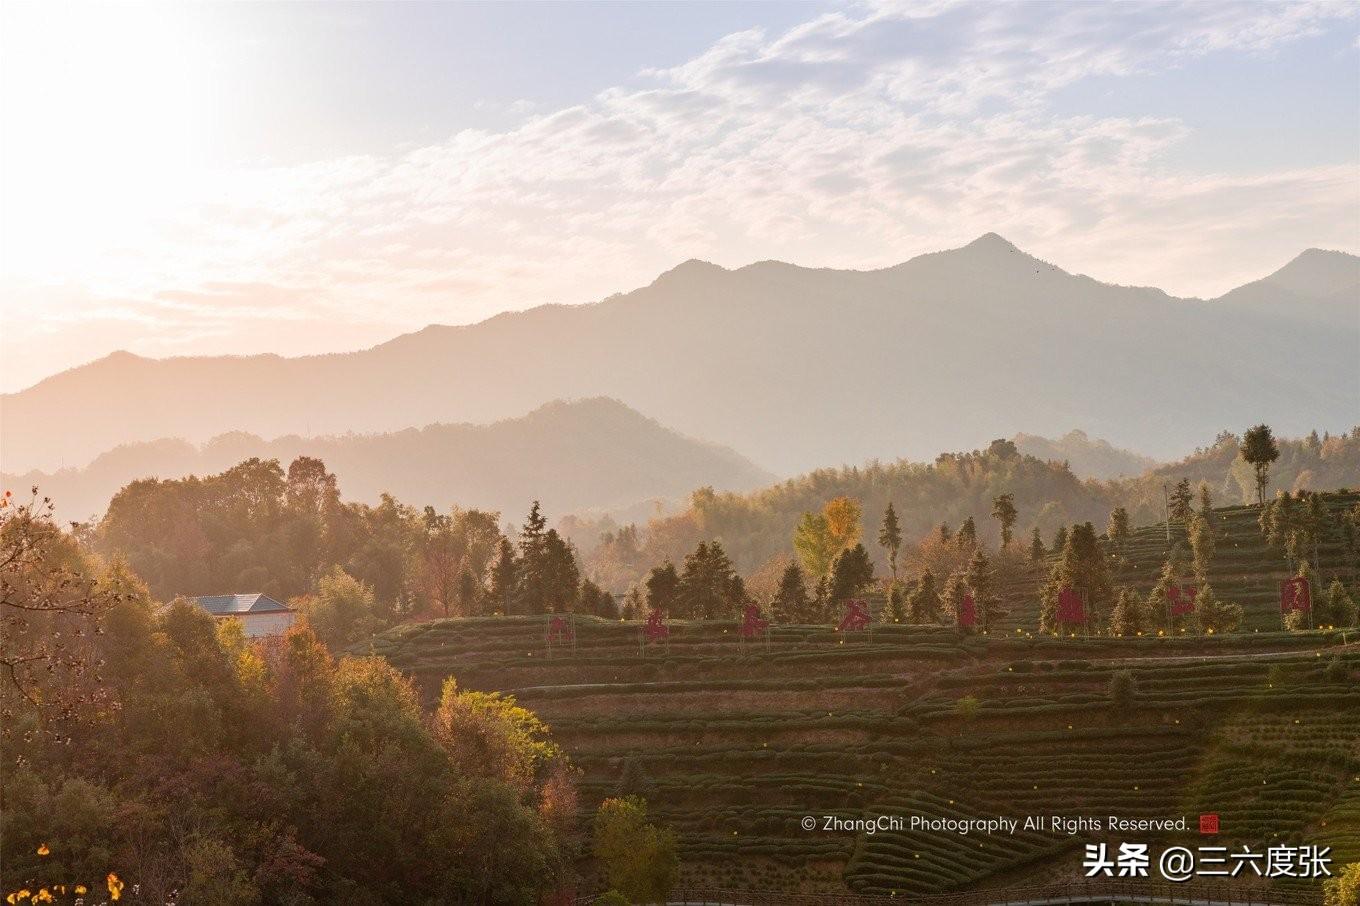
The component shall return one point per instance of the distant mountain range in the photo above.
(795, 367)
(594, 454)
(1087, 458)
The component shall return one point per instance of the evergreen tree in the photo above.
(951, 597)
(966, 539)
(534, 581)
(791, 603)
(979, 578)
(1004, 512)
(1201, 546)
(1081, 567)
(595, 600)
(1260, 450)
(924, 604)
(467, 592)
(1213, 615)
(1059, 539)
(504, 579)
(1036, 547)
(896, 603)
(1118, 529)
(559, 575)
(663, 587)
(1181, 500)
(633, 604)
(822, 606)
(1206, 501)
(1123, 690)
(1337, 608)
(1313, 524)
(890, 538)
(1127, 617)
(1157, 604)
(851, 572)
(709, 587)
(943, 533)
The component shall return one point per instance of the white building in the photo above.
(260, 615)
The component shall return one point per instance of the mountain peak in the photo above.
(1318, 272)
(991, 242)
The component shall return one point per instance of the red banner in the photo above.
(967, 612)
(1295, 594)
(1071, 608)
(754, 624)
(856, 617)
(656, 627)
(1182, 598)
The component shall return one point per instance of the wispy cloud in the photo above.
(856, 139)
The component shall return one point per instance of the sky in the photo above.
(202, 178)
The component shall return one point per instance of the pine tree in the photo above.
(504, 579)
(709, 587)
(1081, 567)
(632, 605)
(1036, 547)
(1260, 450)
(943, 533)
(1206, 501)
(559, 575)
(1213, 615)
(1201, 547)
(979, 578)
(791, 603)
(1127, 617)
(923, 606)
(1123, 690)
(851, 572)
(1004, 512)
(1337, 608)
(951, 598)
(534, 580)
(1059, 539)
(890, 538)
(822, 606)
(663, 587)
(1181, 500)
(896, 603)
(966, 539)
(1118, 529)
(1157, 605)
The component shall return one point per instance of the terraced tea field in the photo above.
(735, 744)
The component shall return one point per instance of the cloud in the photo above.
(853, 140)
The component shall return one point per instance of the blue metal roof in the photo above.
(229, 605)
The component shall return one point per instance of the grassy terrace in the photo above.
(735, 744)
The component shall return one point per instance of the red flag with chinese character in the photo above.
(1071, 609)
(1182, 599)
(967, 612)
(1303, 594)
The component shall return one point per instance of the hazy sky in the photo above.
(195, 178)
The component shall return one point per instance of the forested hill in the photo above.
(1088, 457)
(758, 527)
(796, 367)
(594, 454)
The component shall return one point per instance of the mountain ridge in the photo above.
(601, 454)
(942, 341)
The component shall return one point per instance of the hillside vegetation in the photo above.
(734, 743)
(757, 527)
